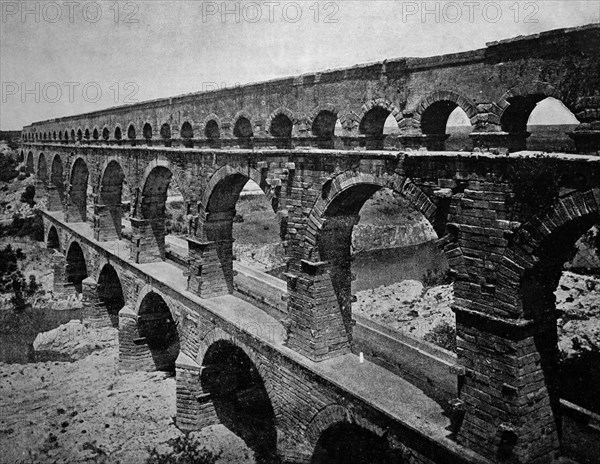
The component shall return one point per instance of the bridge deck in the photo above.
(376, 386)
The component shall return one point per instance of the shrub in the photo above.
(443, 335)
(28, 195)
(185, 450)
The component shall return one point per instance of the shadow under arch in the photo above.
(76, 268)
(110, 293)
(349, 443)
(77, 207)
(240, 399)
(157, 326)
(52, 240)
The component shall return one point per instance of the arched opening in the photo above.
(147, 131)
(240, 398)
(79, 135)
(110, 293)
(458, 129)
(551, 122)
(118, 135)
(165, 134)
(29, 169)
(371, 126)
(323, 128)
(243, 131)
(212, 132)
(105, 133)
(153, 210)
(57, 193)
(444, 120)
(281, 129)
(76, 269)
(385, 264)
(110, 206)
(157, 327)
(95, 134)
(54, 135)
(86, 134)
(549, 125)
(131, 132)
(53, 241)
(66, 136)
(77, 207)
(187, 134)
(346, 443)
(73, 135)
(562, 300)
(238, 209)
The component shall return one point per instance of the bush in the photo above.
(8, 168)
(28, 196)
(185, 450)
(12, 279)
(32, 226)
(443, 335)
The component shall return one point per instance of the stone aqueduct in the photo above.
(506, 223)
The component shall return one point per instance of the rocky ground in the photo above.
(89, 412)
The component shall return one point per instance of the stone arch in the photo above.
(77, 197)
(568, 218)
(149, 221)
(227, 171)
(322, 123)
(42, 170)
(118, 132)
(242, 125)
(76, 269)
(29, 164)
(517, 104)
(73, 135)
(332, 220)
(79, 135)
(147, 131)
(211, 129)
(109, 209)
(86, 134)
(280, 125)
(131, 132)
(95, 133)
(165, 131)
(105, 133)
(240, 393)
(370, 115)
(66, 135)
(53, 239)
(336, 186)
(158, 327)
(356, 438)
(433, 111)
(527, 277)
(57, 182)
(110, 295)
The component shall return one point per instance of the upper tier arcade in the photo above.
(497, 87)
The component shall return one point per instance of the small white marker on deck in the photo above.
(361, 357)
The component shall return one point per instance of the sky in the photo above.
(59, 58)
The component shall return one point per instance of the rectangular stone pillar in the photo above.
(195, 408)
(315, 326)
(94, 312)
(134, 354)
(108, 222)
(206, 276)
(148, 240)
(55, 202)
(74, 212)
(61, 286)
(510, 403)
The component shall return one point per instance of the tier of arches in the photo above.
(376, 120)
